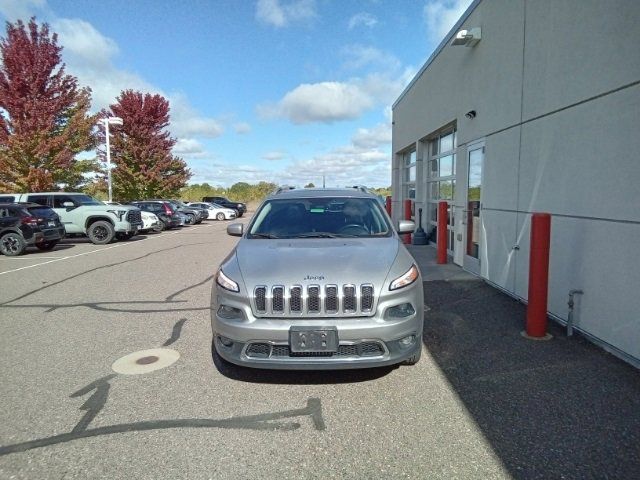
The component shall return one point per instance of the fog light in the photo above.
(407, 341)
(225, 341)
(401, 311)
(225, 311)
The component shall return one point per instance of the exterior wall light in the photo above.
(470, 114)
(468, 38)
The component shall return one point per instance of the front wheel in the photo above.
(220, 216)
(101, 232)
(45, 246)
(12, 244)
(191, 219)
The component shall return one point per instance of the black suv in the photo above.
(240, 208)
(26, 224)
(165, 211)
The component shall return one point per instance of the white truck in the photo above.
(82, 214)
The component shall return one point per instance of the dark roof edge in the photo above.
(437, 51)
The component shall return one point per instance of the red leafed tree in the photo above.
(141, 149)
(44, 120)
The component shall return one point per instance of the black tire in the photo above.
(158, 228)
(191, 219)
(124, 236)
(413, 359)
(162, 227)
(12, 244)
(239, 214)
(45, 246)
(101, 232)
(220, 216)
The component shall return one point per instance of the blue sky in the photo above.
(276, 90)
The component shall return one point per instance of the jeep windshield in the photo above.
(329, 217)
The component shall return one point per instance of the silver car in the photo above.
(319, 280)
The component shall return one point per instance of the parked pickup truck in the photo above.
(225, 202)
(82, 214)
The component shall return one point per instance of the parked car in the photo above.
(239, 207)
(194, 215)
(27, 224)
(164, 210)
(82, 214)
(341, 291)
(215, 211)
(150, 221)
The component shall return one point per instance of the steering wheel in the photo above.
(354, 229)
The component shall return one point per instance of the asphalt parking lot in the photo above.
(71, 406)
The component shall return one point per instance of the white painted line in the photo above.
(33, 259)
(57, 259)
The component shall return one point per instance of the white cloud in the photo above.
(89, 56)
(363, 19)
(441, 15)
(273, 156)
(242, 128)
(372, 137)
(359, 56)
(23, 10)
(278, 14)
(328, 102)
(188, 147)
(186, 122)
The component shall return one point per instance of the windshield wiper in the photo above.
(263, 235)
(317, 235)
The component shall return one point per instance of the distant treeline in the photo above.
(243, 192)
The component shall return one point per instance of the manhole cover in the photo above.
(145, 361)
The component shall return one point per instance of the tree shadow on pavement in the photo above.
(557, 409)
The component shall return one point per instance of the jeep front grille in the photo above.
(314, 300)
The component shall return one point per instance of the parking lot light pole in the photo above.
(110, 121)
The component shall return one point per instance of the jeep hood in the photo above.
(315, 261)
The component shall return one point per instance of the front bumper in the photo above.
(364, 342)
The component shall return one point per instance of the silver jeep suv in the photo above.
(319, 280)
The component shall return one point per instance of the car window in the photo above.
(320, 217)
(41, 211)
(85, 200)
(4, 212)
(60, 200)
(9, 199)
(40, 199)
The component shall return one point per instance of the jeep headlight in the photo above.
(405, 279)
(226, 283)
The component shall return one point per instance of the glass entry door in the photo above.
(473, 209)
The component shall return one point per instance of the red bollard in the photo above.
(443, 213)
(387, 204)
(538, 276)
(407, 216)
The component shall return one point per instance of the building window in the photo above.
(409, 179)
(441, 180)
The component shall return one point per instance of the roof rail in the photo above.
(283, 188)
(362, 188)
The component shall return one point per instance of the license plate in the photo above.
(51, 224)
(309, 339)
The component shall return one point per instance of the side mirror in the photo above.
(406, 226)
(235, 229)
(68, 205)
